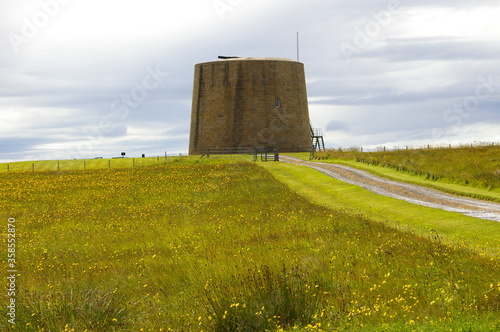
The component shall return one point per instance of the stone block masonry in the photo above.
(250, 102)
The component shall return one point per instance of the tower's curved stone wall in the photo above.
(250, 102)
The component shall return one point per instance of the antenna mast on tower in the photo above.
(298, 54)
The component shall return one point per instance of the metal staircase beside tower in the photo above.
(318, 143)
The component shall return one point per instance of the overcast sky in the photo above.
(89, 78)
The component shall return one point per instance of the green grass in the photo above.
(469, 171)
(88, 164)
(224, 246)
(455, 228)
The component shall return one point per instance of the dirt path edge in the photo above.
(408, 192)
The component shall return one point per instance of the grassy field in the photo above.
(476, 166)
(222, 245)
(453, 228)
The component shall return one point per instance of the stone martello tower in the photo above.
(250, 102)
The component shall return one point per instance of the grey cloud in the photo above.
(432, 49)
(16, 145)
(398, 90)
(338, 126)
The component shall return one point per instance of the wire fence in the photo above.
(87, 164)
(420, 147)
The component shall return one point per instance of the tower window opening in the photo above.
(277, 103)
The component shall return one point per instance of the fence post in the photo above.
(84, 164)
(109, 163)
(8, 167)
(33, 166)
(133, 162)
(58, 168)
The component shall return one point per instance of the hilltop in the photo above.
(222, 245)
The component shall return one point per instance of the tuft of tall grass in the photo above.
(91, 309)
(262, 299)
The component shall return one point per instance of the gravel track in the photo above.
(404, 191)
